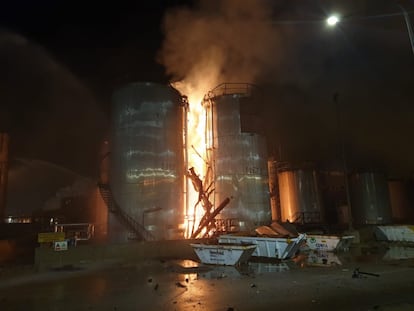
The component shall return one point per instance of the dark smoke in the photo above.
(219, 41)
(301, 65)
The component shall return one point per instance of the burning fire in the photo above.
(195, 145)
(212, 43)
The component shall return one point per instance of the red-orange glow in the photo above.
(195, 153)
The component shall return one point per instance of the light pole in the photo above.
(331, 21)
(334, 19)
(343, 159)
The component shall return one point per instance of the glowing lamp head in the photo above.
(332, 20)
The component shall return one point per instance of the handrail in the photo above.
(245, 89)
(114, 208)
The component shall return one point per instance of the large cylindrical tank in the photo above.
(146, 159)
(300, 197)
(240, 163)
(370, 201)
(334, 198)
(400, 201)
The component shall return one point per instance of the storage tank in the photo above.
(146, 158)
(300, 197)
(399, 201)
(239, 158)
(334, 197)
(370, 201)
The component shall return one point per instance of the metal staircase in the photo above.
(122, 216)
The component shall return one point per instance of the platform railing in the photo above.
(244, 89)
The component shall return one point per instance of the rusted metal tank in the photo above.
(370, 201)
(146, 157)
(400, 201)
(334, 197)
(239, 158)
(300, 197)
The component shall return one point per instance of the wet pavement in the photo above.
(310, 281)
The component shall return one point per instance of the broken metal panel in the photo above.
(395, 233)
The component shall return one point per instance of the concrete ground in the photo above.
(310, 281)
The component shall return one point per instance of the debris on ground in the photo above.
(178, 284)
(360, 274)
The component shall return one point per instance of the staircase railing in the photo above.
(122, 216)
(245, 89)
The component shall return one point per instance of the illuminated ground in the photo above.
(306, 283)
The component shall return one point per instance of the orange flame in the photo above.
(196, 155)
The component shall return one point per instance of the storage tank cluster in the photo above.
(308, 195)
(147, 168)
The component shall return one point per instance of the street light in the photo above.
(332, 20)
(343, 159)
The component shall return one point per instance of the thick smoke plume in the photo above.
(218, 41)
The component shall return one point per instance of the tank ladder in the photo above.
(122, 216)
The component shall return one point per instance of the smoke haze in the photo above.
(47, 111)
(219, 41)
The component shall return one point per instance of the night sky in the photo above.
(61, 60)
